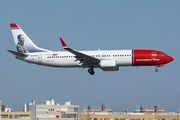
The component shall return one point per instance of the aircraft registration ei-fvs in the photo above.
(107, 60)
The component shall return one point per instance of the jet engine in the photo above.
(109, 65)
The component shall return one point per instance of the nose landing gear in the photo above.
(91, 70)
(161, 65)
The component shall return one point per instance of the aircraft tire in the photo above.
(91, 71)
(156, 70)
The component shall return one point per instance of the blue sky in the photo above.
(89, 25)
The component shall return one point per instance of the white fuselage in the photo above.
(67, 59)
(107, 60)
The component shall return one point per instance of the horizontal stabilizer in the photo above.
(17, 53)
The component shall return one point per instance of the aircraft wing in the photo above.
(17, 53)
(83, 58)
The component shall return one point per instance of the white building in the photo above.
(49, 111)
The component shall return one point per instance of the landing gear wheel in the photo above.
(91, 71)
(156, 70)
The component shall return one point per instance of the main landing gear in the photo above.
(91, 70)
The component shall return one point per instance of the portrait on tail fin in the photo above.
(20, 45)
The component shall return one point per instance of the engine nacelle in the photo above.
(109, 65)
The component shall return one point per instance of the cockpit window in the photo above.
(163, 54)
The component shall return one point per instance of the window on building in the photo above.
(4, 116)
(106, 118)
(116, 119)
(24, 116)
(70, 109)
(51, 109)
(42, 115)
(71, 115)
(63, 115)
(73, 109)
(76, 109)
(11, 116)
(16, 116)
(42, 109)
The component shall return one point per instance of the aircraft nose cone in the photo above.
(170, 58)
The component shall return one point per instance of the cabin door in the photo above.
(39, 58)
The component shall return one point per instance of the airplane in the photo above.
(107, 60)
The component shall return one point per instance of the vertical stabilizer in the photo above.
(23, 42)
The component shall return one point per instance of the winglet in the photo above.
(63, 43)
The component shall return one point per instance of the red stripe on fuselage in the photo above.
(149, 57)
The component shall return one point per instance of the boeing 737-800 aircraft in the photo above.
(107, 60)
